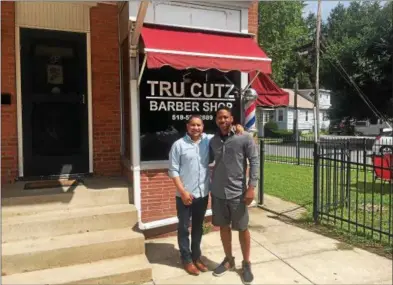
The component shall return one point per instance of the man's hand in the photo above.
(249, 196)
(186, 198)
(239, 129)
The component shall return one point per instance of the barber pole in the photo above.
(250, 119)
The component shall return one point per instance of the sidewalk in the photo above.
(280, 254)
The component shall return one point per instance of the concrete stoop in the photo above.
(77, 243)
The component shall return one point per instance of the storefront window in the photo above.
(169, 96)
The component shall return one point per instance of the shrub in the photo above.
(271, 126)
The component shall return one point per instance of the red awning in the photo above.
(269, 94)
(190, 48)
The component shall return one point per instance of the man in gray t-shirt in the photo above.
(229, 190)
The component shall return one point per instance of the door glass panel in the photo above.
(55, 70)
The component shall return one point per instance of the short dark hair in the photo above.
(226, 108)
(194, 117)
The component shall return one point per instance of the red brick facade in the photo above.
(105, 90)
(9, 135)
(158, 195)
(253, 19)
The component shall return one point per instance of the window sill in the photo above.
(156, 164)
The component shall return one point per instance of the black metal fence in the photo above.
(289, 150)
(353, 181)
(353, 190)
(300, 151)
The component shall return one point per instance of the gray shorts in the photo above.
(227, 212)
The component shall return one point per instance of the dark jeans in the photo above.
(196, 211)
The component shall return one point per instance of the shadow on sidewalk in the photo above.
(167, 254)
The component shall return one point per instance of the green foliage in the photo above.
(283, 132)
(358, 37)
(282, 29)
(271, 125)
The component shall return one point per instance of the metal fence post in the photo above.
(316, 182)
(348, 170)
(261, 170)
(297, 147)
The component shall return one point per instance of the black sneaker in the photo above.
(247, 275)
(226, 264)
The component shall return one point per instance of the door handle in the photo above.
(83, 99)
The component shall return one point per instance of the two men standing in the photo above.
(189, 169)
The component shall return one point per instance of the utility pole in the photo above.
(317, 51)
(295, 121)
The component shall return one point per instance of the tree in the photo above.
(358, 39)
(282, 29)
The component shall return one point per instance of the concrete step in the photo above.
(44, 253)
(131, 270)
(56, 199)
(68, 221)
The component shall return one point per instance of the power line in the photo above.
(373, 109)
(351, 82)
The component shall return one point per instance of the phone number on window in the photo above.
(186, 117)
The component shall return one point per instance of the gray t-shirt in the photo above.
(230, 156)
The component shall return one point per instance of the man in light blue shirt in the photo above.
(189, 170)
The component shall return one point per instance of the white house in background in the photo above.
(284, 116)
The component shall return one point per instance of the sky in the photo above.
(327, 6)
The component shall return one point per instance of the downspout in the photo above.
(134, 107)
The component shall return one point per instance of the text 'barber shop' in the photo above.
(189, 97)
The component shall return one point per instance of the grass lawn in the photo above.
(290, 182)
(365, 202)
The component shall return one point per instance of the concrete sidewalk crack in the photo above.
(281, 259)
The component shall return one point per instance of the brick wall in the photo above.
(9, 138)
(158, 195)
(106, 89)
(253, 19)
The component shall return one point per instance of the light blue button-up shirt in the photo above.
(190, 161)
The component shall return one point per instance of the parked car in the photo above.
(366, 128)
(383, 142)
(344, 127)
